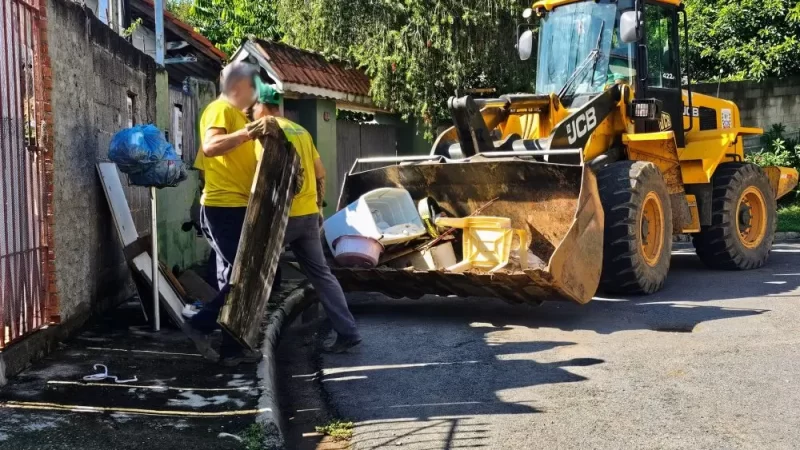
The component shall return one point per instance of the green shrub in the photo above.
(789, 218)
(779, 149)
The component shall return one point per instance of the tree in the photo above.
(746, 39)
(227, 23)
(417, 52)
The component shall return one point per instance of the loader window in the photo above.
(662, 51)
(568, 35)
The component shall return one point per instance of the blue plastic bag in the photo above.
(146, 157)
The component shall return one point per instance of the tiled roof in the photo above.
(202, 40)
(293, 65)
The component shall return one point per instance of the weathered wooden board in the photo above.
(262, 236)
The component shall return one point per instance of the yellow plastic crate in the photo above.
(486, 242)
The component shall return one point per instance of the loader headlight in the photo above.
(643, 110)
(649, 108)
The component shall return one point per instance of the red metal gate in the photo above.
(23, 212)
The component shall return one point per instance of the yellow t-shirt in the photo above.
(228, 177)
(305, 201)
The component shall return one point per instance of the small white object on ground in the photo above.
(224, 435)
(104, 375)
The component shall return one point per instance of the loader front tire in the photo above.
(638, 228)
(743, 219)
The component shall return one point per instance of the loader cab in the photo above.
(585, 47)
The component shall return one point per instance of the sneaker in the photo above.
(342, 344)
(189, 311)
(202, 342)
(246, 356)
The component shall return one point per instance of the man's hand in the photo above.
(258, 127)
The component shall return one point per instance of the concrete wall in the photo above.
(762, 103)
(94, 71)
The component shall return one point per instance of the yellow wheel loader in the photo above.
(608, 159)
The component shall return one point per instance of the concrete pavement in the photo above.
(712, 361)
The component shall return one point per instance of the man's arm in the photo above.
(216, 142)
(319, 172)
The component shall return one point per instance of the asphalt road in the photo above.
(712, 361)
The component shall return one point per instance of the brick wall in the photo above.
(45, 107)
(762, 103)
(93, 73)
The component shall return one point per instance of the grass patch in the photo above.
(253, 436)
(339, 430)
(789, 218)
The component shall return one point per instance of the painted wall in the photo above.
(410, 136)
(177, 247)
(311, 115)
(94, 71)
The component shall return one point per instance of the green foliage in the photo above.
(789, 218)
(779, 150)
(417, 52)
(339, 430)
(747, 39)
(253, 437)
(127, 32)
(227, 23)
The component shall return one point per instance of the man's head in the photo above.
(269, 100)
(237, 84)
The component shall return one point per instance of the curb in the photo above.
(270, 420)
(779, 237)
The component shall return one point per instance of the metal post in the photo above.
(159, 13)
(154, 251)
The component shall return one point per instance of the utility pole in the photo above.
(159, 13)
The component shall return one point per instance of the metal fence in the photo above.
(23, 246)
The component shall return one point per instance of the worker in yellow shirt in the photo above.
(229, 160)
(303, 228)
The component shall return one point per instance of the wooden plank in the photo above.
(126, 229)
(173, 281)
(196, 286)
(170, 299)
(109, 178)
(262, 236)
(140, 245)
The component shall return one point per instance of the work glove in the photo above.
(299, 179)
(258, 127)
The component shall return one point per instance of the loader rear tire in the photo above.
(743, 219)
(638, 228)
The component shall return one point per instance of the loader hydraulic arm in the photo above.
(473, 125)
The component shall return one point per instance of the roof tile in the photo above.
(312, 69)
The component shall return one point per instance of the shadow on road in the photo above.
(679, 307)
(436, 368)
(439, 391)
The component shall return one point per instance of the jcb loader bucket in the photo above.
(558, 205)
